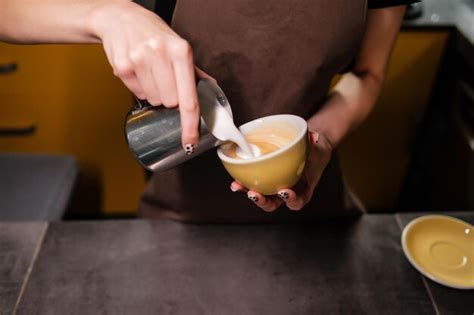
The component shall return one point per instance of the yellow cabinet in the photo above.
(375, 157)
(78, 107)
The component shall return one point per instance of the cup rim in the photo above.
(281, 150)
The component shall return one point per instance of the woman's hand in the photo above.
(297, 197)
(153, 61)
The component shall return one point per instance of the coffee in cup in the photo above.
(263, 140)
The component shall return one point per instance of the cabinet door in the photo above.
(78, 106)
(375, 157)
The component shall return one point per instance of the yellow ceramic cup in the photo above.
(279, 169)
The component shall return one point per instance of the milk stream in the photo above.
(222, 126)
(255, 150)
(245, 150)
(218, 118)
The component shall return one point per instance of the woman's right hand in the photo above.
(153, 61)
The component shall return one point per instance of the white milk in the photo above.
(219, 119)
(224, 128)
(243, 155)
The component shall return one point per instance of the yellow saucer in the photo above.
(442, 249)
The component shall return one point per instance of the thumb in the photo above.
(321, 148)
(313, 137)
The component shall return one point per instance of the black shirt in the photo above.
(375, 4)
(164, 8)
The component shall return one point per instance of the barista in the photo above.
(270, 57)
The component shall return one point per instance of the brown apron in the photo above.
(270, 57)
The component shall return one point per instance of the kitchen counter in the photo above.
(164, 267)
(446, 13)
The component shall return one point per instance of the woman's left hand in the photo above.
(297, 197)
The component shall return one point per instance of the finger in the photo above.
(144, 74)
(292, 200)
(313, 138)
(266, 203)
(131, 82)
(163, 74)
(203, 75)
(236, 186)
(123, 69)
(316, 155)
(187, 95)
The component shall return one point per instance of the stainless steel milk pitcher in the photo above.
(153, 133)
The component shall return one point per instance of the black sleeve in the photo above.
(375, 4)
(165, 8)
(148, 4)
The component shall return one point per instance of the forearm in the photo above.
(347, 106)
(48, 21)
(354, 96)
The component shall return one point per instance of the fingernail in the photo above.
(189, 149)
(316, 136)
(233, 188)
(283, 195)
(253, 198)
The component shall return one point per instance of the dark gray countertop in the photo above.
(447, 13)
(163, 267)
(19, 245)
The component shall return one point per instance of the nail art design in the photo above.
(253, 198)
(283, 195)
(316, 137)
(189, 149)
